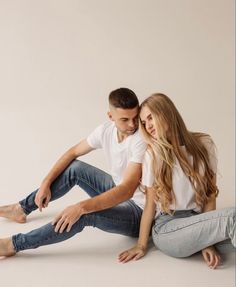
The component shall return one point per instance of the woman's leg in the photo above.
(182, 235)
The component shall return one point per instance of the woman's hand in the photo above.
(211, 257)
(134, 253)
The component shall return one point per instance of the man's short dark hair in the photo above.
(123, 98)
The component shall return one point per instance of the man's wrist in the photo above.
(46, 182)
(82, 205)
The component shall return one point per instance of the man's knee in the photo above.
(74, 167)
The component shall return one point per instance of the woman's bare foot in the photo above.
(13, 212)
(6, 247)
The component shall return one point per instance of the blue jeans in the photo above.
(187, 232)
(122, 219)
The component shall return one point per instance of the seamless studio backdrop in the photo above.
(60, 59)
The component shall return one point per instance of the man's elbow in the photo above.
(128, 190)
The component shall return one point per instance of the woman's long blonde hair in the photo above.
(171, 135)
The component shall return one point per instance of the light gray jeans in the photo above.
(187, 232)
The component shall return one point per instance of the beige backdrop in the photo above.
(60, 59)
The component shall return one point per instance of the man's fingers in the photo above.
(63, 226)
(47, 200)
(69, 226)
(56, 219)
(58, 225)
(40, 205)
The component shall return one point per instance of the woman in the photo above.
(179, 175)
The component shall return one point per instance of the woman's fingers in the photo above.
(128, 258)
(139, 255)
(217, 261)
(123, 256)
(211, 257)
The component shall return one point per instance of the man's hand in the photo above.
(134, 253)
(68, 217)
(43, 197)
(211, 257)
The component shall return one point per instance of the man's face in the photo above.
(126, 120)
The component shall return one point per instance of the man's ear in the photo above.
(110, 115)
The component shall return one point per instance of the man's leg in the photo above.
(122, 219)
(91, 179)
(182, 237)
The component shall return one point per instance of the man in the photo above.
(109, 207)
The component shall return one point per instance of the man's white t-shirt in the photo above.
(182, 188)
(118, 155)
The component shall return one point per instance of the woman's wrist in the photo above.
(142, 246)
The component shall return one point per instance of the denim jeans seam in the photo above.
(88, 183)
(79, 179)
(114, 219)
(189, 225)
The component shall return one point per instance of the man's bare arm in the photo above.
(80, 149)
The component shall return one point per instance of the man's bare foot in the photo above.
(6, 247)
(13, 212)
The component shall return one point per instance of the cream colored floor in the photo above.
(90, 259)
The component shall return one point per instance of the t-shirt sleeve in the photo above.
(95, 138)
(211, 149)
(138, 149)
(147, 174)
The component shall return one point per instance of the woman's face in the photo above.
(148, 122)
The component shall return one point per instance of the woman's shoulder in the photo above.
(205, 139)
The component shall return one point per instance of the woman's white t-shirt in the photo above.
(182, 188)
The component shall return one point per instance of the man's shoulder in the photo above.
(137, 142)
(136, 137)
(147, 156)
(105, 127)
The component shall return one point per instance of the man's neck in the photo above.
(121, 137)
